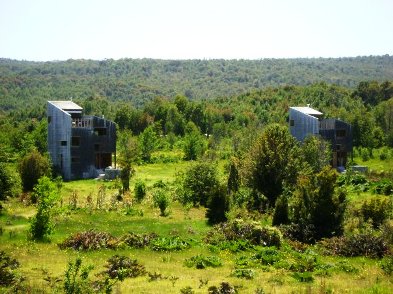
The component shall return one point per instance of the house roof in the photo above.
(66, 105)
(307, 110)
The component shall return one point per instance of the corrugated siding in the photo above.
(303, 124)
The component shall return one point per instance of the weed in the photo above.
(305, 277)
(203, 282)
(138, 240)
(76, 279)
(201, 262)
(169, 244)
(224, 288)
(156, 276)
(243, 273)
(140, 190)
(173, 280)
(387, 265)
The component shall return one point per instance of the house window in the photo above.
(338, 147)
(75, 159)
(75, 141)
(340, 133)
(63, 143)
(100, 131)
(291, 122)
(96, 147)
(49, 119)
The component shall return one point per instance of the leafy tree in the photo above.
(161, 200)
(316, 153)
(9, 184)
(316, 203)
(199, 183)
(273, 162)
(47, 195)
(148, 142)
(32, 167)
(128, 155)
(234, 176)
(194, 144)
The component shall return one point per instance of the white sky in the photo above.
(45, 30)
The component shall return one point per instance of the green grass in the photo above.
(40, 259)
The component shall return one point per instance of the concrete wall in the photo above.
(59, 130)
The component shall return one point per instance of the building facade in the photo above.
(305, 121)
(80, 146)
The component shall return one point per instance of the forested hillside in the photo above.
(139, 80)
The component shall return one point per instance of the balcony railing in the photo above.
(82, 123)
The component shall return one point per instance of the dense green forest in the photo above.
(140, 80)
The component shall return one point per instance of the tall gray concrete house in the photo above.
(80, 146)
(306, 121)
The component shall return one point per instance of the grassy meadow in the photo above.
(43, 264)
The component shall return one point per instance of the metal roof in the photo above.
(66, 105)
(307, 110)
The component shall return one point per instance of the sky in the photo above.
(46, 30)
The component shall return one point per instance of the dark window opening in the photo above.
(75, 141)
(340, 133)
(291, 122)
(100, 131)
(96, 147)
(75, 159)
(63, 143)
(49, 119)
(103, 160)
(338, 147)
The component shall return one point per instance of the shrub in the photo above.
(121, 267)
(376, 209)
(140, 191)
(303, 277)
(243, 273)
(201, 262)
(199, 183)
(387, 265)
(268, 256)
(76, 278)
(9, 184)
(384, 187)
(138, 240)
(187, 290)
(89, 240)
(8, 266)
(47, 195)
(218, 205)
(32, 167)
(280, 215)
(242, 230)
(224, 288)
(365, 244)
(161, 200)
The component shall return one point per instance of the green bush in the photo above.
(384, 187)
(140, 191)
(32, 167)
(47, 195)
(224, 288)
(387, 265)
(365, 244)
(76, 278)
(161, 200)
(243, 273)
(238, 229)
(218, 205)
(305, 277)
(376, 209)
(202, 262)
(9, 182)
(8, 266)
